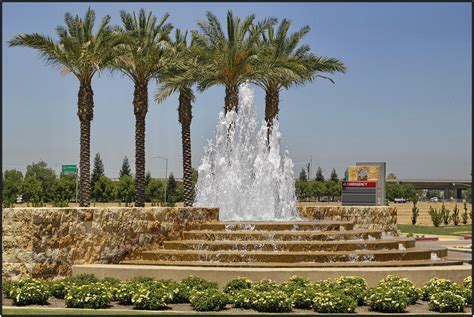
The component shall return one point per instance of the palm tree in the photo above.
(282, 63)
(140, 60)
(83, 53)
(179, 75)
(227, 58)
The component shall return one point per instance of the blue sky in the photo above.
(406, 98)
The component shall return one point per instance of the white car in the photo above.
(434, 199)
(399, 200)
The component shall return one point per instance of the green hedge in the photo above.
(152, 296)
(333, 302)
(446, 302)
(386, 299)
(404, 285)
(273, 301)
(209, 300)
(94, 295)
(29, 292)
(341, 295)
(436, 285)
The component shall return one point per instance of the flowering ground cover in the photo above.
(346, 294)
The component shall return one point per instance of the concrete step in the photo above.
(291, 257)
(292, 246)
(408, 263)
(276, 225)
(419, 272)
(283, 235)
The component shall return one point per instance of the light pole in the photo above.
(166, 171)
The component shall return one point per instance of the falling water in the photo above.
(240, 174)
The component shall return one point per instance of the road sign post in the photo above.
(71, 169)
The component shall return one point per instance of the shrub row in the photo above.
(342, 295)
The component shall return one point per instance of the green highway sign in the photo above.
(69, 169)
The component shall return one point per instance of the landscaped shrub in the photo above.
(209, 299)
(403, 284)
(29, 291)
(455, 216)
(7, 286)
(151, 296)
(142, 279)
(110, 281)
(353, 286)
(112, 284)
(415, 212)
(333, 302)
(274, 301)
(94, 295)
(243, 298)
(295, 283)
(386, 300)
(445, 213)
(437, 285)
(123, 291)
(464, 214)
(324, 285)
(59, 288)
(436, 216)
(467, 282)
(299, 281)
(83, 279)
(197, 283)
(467, 295)
(265, 285)
(303, 297)
(237, 285)
(446, 302)
(180, 293)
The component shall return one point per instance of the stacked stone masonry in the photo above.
(46, 242)
(364, 217)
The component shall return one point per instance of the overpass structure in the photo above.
(457, 185)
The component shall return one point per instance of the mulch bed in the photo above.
(419, 308)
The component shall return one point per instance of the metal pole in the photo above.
(166, 171)
(166, 178)
(77, 177)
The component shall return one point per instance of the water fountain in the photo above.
(252, 184)
(248, 179)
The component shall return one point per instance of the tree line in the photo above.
(40, 185)
(318, 187)
(142, 48)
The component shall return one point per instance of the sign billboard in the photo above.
(69, 169)
(365, 185)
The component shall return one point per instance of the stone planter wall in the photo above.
(46, 242)
(364, 217)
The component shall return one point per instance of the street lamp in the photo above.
(166, 171)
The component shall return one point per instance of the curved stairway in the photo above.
(291, 244)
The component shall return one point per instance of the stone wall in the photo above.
(46, 242)
(364, 217)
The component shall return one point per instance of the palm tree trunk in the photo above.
(185, 118)
(272, 103)
(85, 108)
(140, 105)
(231, 98)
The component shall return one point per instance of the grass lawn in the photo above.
(71, 311)
(445, 231)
